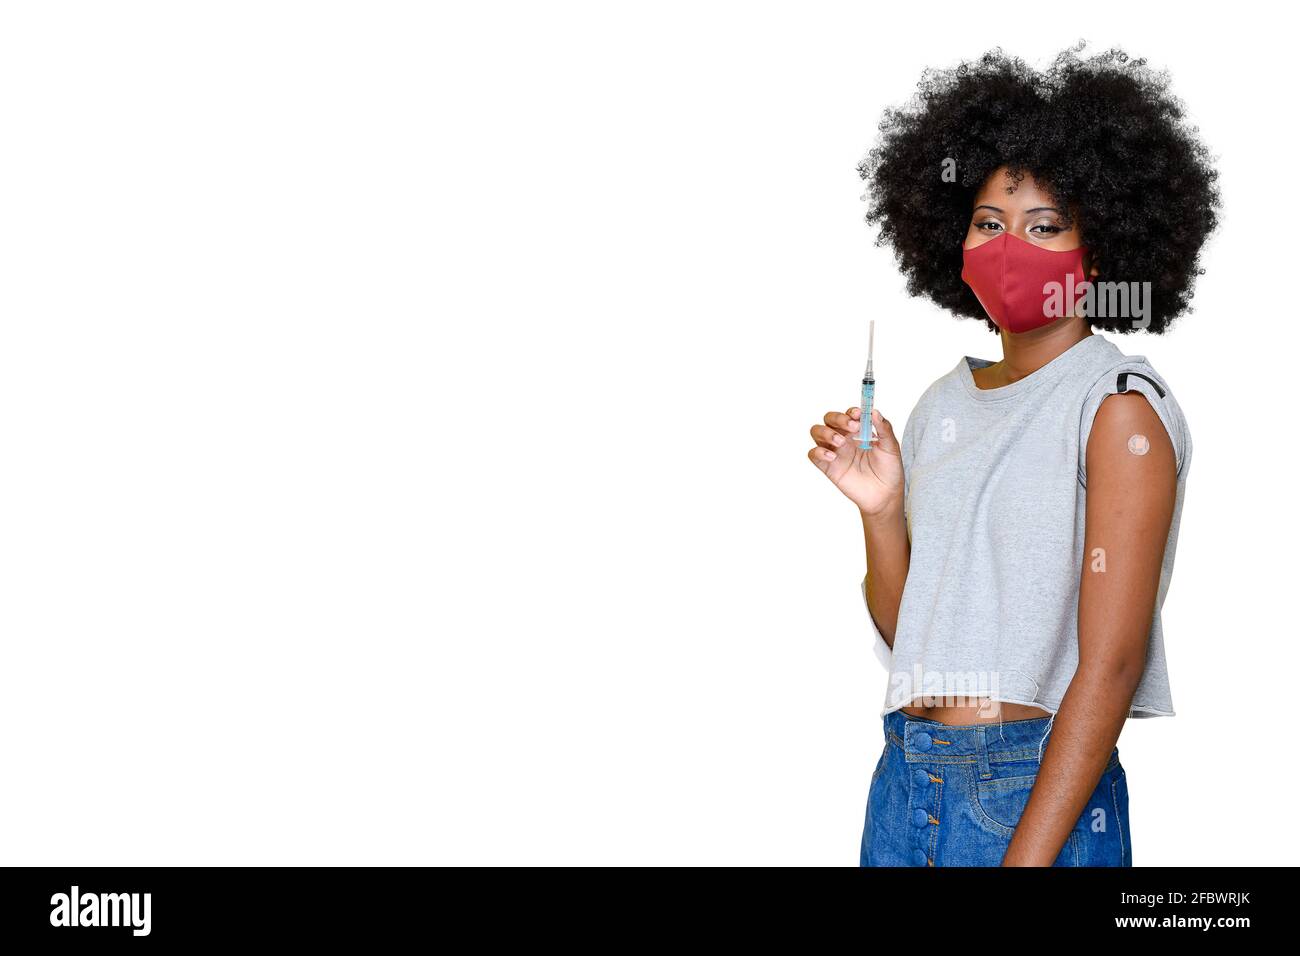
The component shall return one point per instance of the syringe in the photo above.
(868, 392)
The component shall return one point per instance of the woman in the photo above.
(1020, 538)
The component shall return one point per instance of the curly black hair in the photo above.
(1102, 134)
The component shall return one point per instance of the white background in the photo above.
(403, 420)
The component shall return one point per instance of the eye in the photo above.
(989, 226)
(1046, 229)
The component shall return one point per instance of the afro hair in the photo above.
(1102, 134)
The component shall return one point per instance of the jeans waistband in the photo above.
(932, 742)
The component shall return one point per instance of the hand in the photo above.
(873, 480)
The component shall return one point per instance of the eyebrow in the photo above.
(1027, 211)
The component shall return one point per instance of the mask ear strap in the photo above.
(1121, 383)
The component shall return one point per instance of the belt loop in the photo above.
(982, 749)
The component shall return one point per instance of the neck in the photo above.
(1026, 352)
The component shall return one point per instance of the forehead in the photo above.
(1001, 190)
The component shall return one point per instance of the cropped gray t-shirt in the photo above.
(995, 495)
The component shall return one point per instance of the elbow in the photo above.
(1118, 673)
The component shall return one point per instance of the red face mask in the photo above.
(1013, 280)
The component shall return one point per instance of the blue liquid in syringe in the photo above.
(868, 392)
(864, 428)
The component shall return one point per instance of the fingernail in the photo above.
(838, 439)
(829, 454)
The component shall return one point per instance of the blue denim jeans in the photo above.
(944, 795)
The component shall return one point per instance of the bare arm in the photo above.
(873, 480)
(1130, 503)
(888, 557)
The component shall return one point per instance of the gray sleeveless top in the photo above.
(995, 493)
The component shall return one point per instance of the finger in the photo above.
(823, 458)
(827, 437)
(842, 422)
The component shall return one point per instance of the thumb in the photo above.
(885, 438)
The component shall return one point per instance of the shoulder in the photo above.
(933, 396)
(1132, 491)
(946, 384)
(1127, 398)
(1126, 428)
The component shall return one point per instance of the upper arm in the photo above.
(1132, 473)
(911, 435)
(906, 447)
(1136, 378)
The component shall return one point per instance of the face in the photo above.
(1024, 209)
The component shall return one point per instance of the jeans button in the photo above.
(921, 777)
(921, 741)
(920, 817)
(919, 857)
